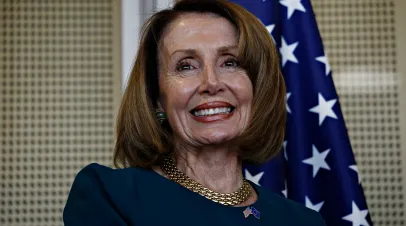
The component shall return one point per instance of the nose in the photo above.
(210, 82)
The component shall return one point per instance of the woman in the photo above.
(204, 95)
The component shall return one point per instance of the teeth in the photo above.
(212, 111)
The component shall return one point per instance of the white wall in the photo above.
(130, 26)
(163, 4)
(134, 13)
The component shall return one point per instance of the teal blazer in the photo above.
(134, 196)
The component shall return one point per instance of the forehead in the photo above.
(198, 30)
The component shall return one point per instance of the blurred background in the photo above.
(64, 64)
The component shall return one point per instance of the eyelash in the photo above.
(237, 64)
(185, 63)
(181, 64)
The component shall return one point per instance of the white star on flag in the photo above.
(310, 205)
(293, 5)
(355, 168)
(285, 191)
(255, 179)
(324, 109)
(285, 153)
(270, 28)
(324, 60)
(287, 105)
(287, 52)
(357, 217)
(318, 160)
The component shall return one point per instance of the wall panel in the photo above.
(59, 90)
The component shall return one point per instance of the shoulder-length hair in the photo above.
(142, 141)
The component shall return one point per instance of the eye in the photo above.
(231, 63)
(184, 66)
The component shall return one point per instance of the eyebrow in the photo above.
(220, 50)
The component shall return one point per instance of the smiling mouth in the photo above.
(213, 111)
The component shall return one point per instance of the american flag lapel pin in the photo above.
(247, 212)
(255, 212)
(251, 210)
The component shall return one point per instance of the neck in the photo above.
(215, 167)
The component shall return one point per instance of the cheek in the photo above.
(243, 90)
(176, 92)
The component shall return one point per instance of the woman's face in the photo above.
(204, 92)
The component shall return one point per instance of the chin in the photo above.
(216, 137)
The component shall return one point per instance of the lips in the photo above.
(212, 111)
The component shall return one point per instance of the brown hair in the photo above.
(142, 140)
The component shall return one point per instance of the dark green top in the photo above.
(134, 196)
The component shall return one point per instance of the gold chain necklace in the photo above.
(228, 199)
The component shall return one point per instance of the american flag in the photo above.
(317, 166)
